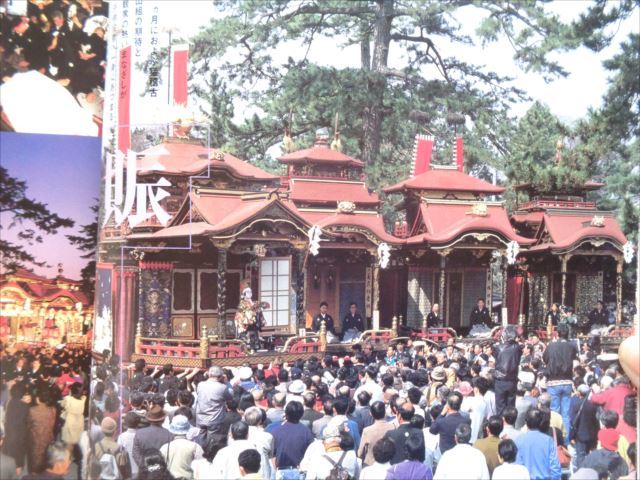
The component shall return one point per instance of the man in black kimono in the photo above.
(328, 320)
(598, 316)
(480, 315)
(352, 320)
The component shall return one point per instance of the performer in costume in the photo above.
(249, 319)
(433, 319)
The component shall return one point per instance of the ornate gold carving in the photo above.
(445, 252)
(481, 237)
(204, 342)
(478, 209)
(260, 249)
(345, 206)
(597, 221)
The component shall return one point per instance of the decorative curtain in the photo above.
(155, 298)
(420, 288)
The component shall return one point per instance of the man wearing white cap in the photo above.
(295, 391)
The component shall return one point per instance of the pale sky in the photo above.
(569, 98)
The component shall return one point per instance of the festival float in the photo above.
(35, 310)
(174, 277)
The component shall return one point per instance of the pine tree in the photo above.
(31, 217)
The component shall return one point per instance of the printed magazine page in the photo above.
(304, 239)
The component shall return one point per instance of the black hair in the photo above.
(153, 465)
(132, 420)
(414, 395)
(384, 450)
(309, 399)
(240, 430)
(510, 415)
(213, 444)
(631, 453)
(609, 419)
(249, 460)
(172, 396)
(351, 304)
(136, 399)
(327, 405)
(364, 398)
(140, 365)
(323, 303)
(406, 411)
(534, 419)
(76, 389)
(494, 424)
(508, 450)
(463, 433)
(414, 446)
(417, 421)
(378, 410)
(185, 398)
(454, 401)
(246, 401)
(294, 410)
(341, 405)
(481, 384)
(185, 412)
(629, 410)
(563, 331)
(436, 410)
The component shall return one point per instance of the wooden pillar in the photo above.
(222, 292)
(619, 265)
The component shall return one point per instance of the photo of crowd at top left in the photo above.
(52, 63)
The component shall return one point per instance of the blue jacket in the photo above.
(537, 452)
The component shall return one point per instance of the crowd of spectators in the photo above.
(61, 39)
(493, 411)
(43, 407)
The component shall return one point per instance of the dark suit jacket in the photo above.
(399, 437)
(586, 425)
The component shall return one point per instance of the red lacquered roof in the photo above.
(568, 229)
(222, 212)
(331, 191)
(192, 158)
(445, 222)
(445, 180)
(320, 153)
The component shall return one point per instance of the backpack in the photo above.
(113, 466)
(338, 472)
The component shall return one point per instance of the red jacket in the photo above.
(613, 399)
